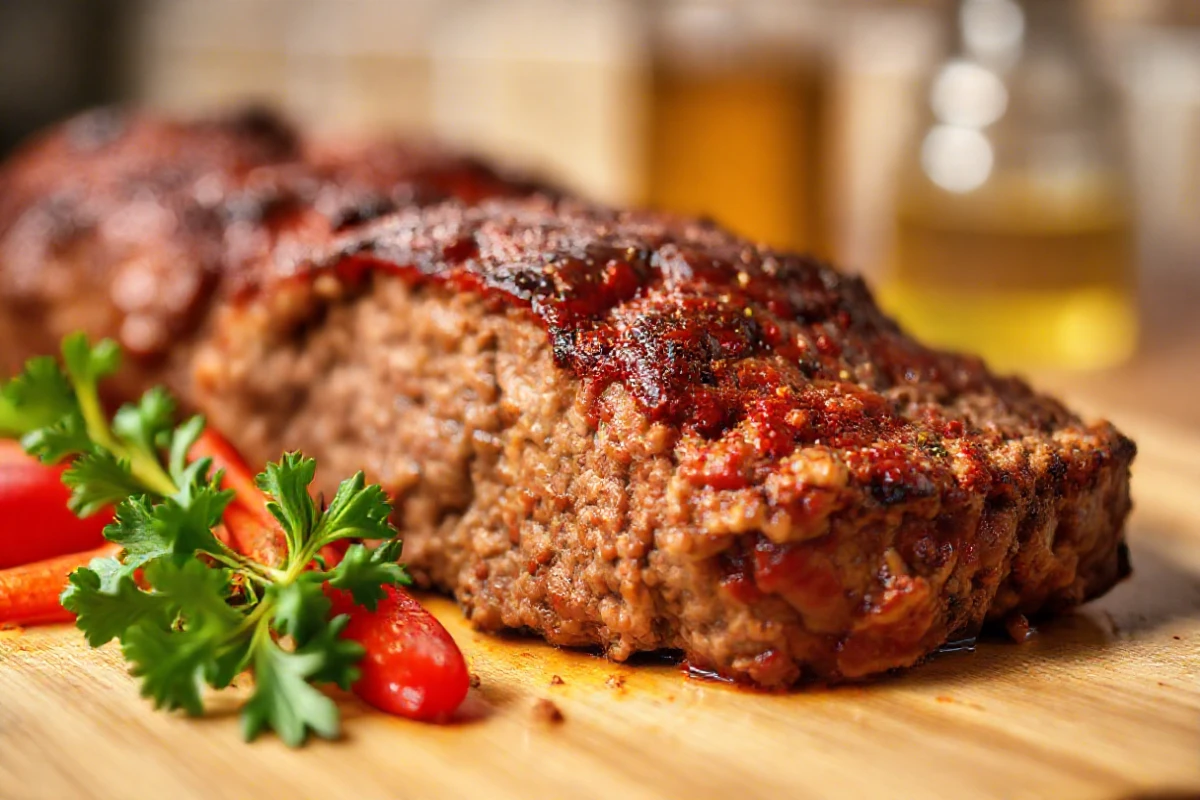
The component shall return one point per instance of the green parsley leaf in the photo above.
(133, 528)
(59, 440)
(174, 661)
(39, 396)
(301, 608)
(364, 572)
(106, 613)
(189, 518)
(88, 364)
(171, 664)
(148, 424)
(195, 590)
(341, 656)
(231, 660)
(284, 701)
(98, 480)
(287, 482)
(182, 440)
(171, 527)
(357, 511)
(110, 571)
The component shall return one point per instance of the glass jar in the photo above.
(733, 121)
(1014, 231)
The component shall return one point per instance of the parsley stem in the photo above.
(252, 620)
(93, 415)
(252, 569)
(300, 562)
(148, 471)
(143, 466)
(151, 475)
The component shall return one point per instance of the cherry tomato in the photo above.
(412, 667)
(35, 523)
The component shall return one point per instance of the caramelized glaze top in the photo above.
(758, 356)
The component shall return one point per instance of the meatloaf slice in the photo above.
(639, 432)
(130, 226)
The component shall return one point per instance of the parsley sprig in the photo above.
(188, 610)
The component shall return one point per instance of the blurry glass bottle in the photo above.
(1014, 234)
(733, 123)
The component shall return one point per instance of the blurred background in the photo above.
(1016, 177)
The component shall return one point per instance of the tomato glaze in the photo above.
(753, 359)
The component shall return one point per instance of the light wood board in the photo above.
(1101, 704)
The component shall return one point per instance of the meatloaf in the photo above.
(621, 430)
(637, 432)
(133, 226)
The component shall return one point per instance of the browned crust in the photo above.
(629, 430)
(131, 226)
(921, 495)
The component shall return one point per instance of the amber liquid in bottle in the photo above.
(732, 116)
(1013, 229)
(1026, 274)
(738, 144)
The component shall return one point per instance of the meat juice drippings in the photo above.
(961, 644)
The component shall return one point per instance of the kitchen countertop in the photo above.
(1104, 703)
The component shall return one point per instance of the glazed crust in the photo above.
(717, 448)
(133, 227)
(614, 429)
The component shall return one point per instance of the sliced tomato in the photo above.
(35, 523)
(412, 667)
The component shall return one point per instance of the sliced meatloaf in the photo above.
(637, 432)
(130, 226)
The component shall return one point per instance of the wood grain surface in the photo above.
(1101, 704)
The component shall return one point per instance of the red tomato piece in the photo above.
(35, 523)
(412, 667)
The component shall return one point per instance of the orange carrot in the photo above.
(252, 537)
(253, 531)
(238, 476)
(29, 594)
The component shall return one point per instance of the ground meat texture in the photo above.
(133, 227)
(111, 224)
(639, 432)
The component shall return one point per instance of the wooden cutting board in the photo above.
(1104, 704)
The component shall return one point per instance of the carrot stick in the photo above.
(253, 531)
(250, 536)
(29, 593)
(238, 476)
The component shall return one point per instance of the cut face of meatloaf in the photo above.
(637, 432)
(130, 226)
